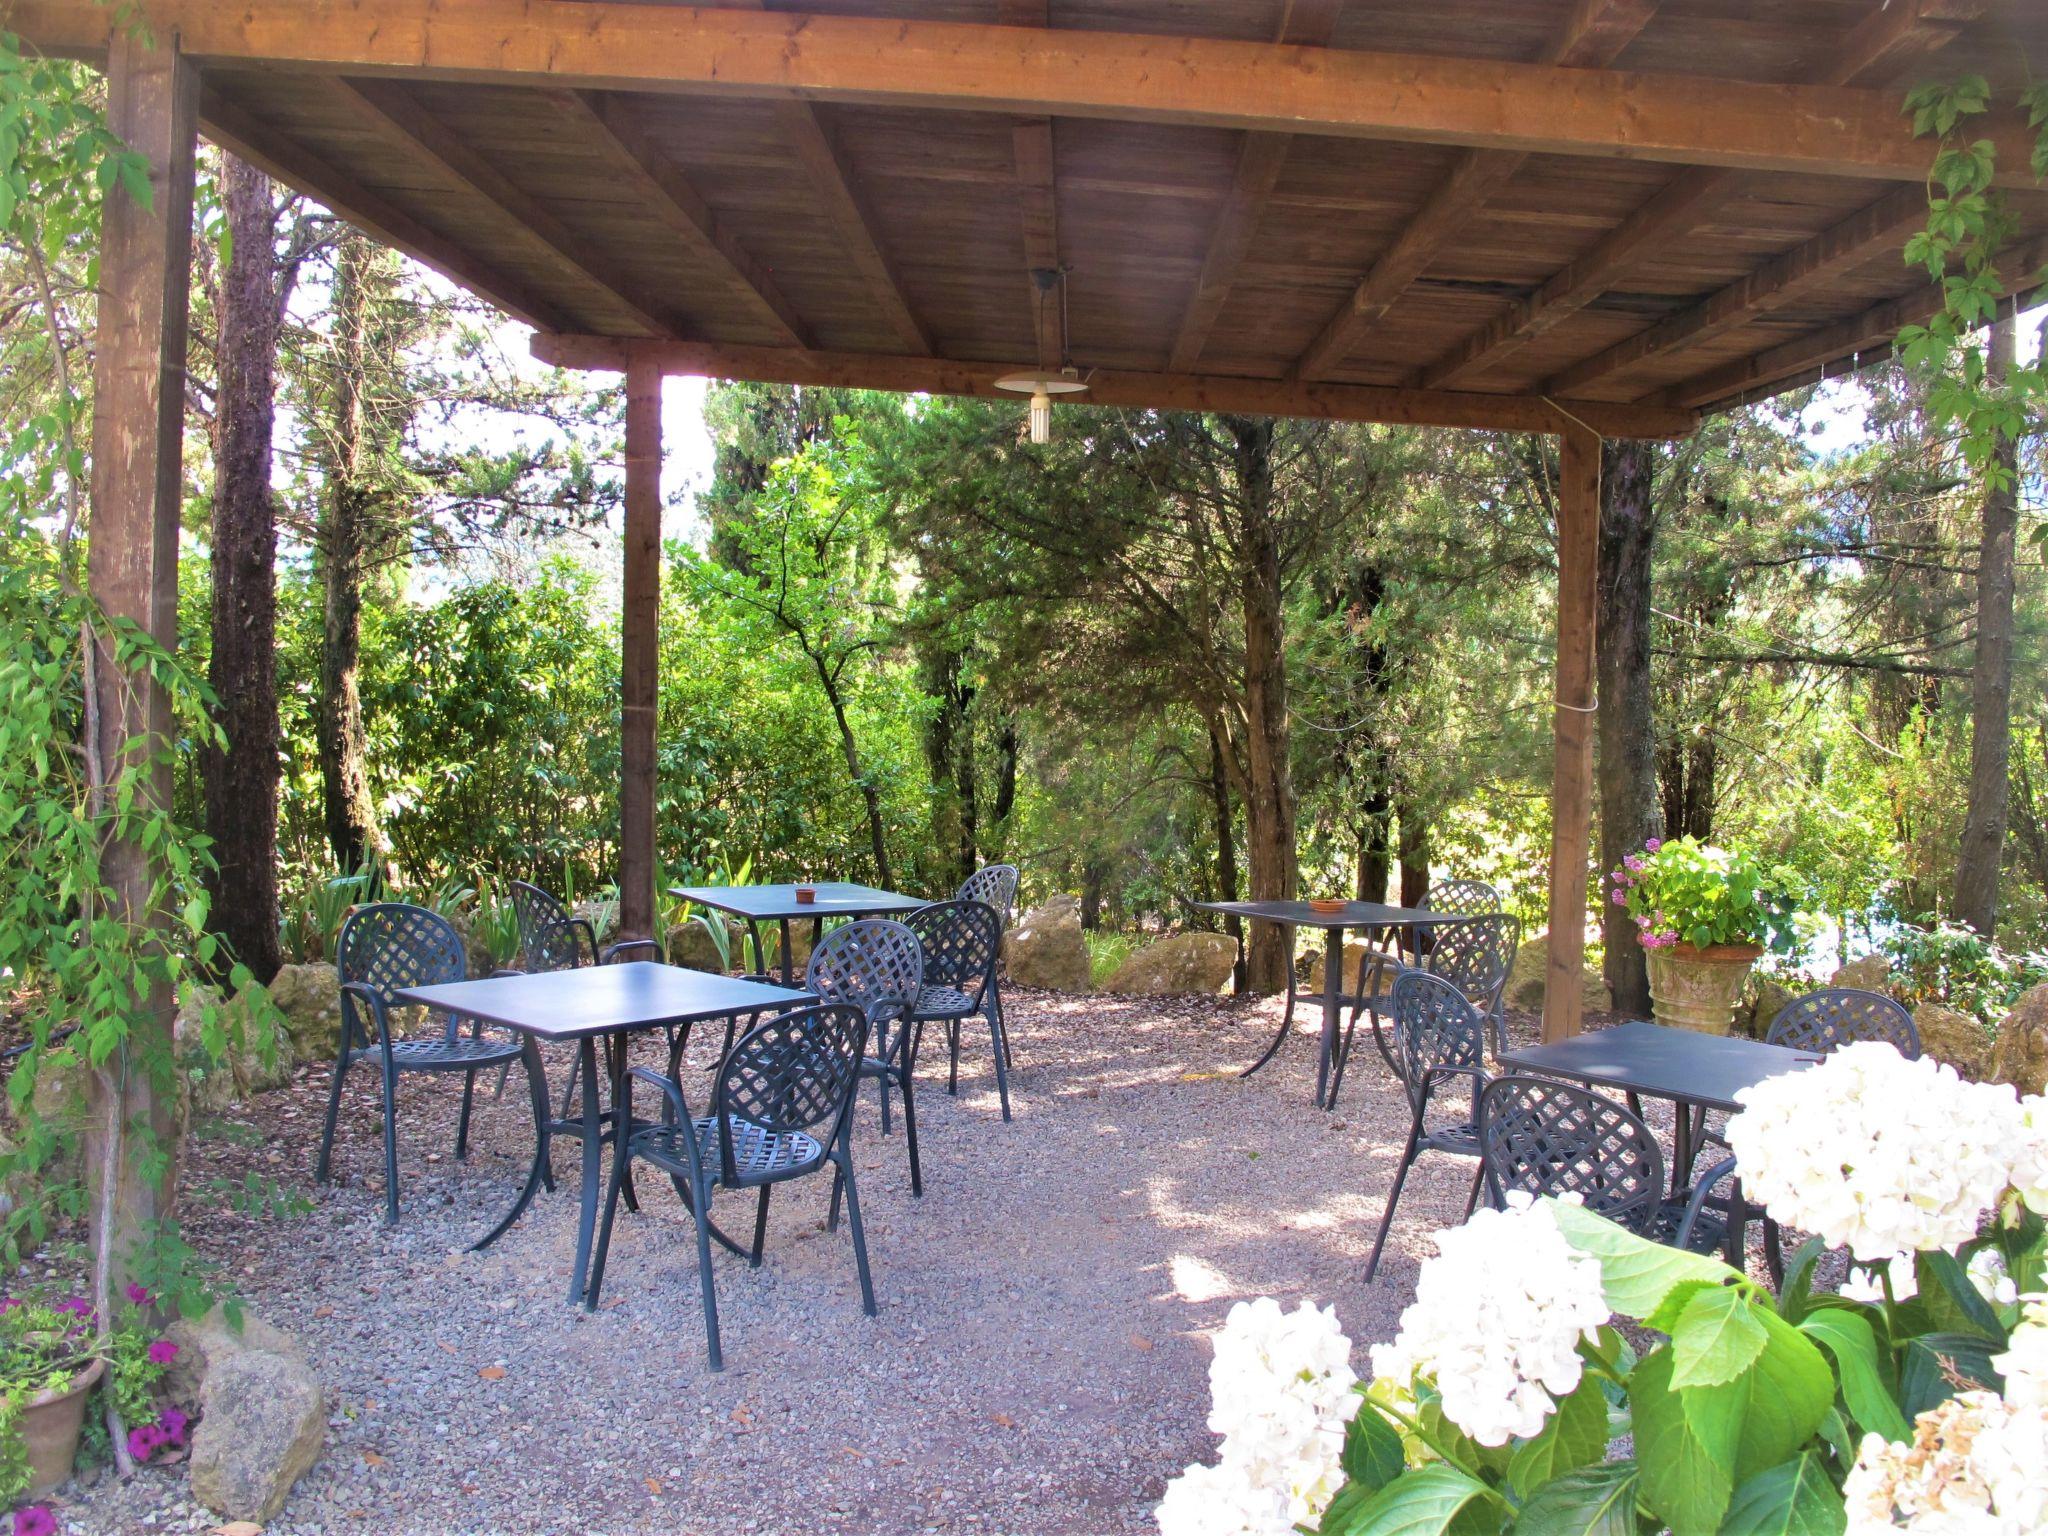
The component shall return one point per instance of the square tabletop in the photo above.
(1660, 1062)
(1354, 914)
(835, 898)
(598, 999)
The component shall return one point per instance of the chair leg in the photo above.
(462, 1122)
(1394, 1198)
(838, 1188)
(322, 1169)
(995, 1036)
(760, 1227)
(910, 1133)
(882, 1078)
(703, 1215)
(569, 1093)
(390, 1141)
(860, 1242)
(498, 1093)
(996, 994)
(1343, 1060)
(595, 1283)
(953, 1056)
(1478, 1182)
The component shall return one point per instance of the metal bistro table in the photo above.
(1695, 1072)
(1368, 916)
(608, 1002)
(757, 904)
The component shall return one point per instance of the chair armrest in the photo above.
(674, 1106)
(611, 953)
(362, 992)
(1697, 1201)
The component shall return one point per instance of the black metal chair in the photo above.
(551, 938)
(1441, 1038)
(1545, 1137)
(995, 885)
(781, 1109)
(1833, 1017)
(960, 940)
(877, 966)
(1463, 898)
(383, 948)
(1474, 955)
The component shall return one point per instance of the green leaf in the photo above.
(1790, 1391)
(1437, 1500)
(1798, 1286)
(1717, 1337)
(1344, 1509)
(1594, 1501)
(1952, 1303)
(1939, 1365)
(1575, 1436)
(1372, 1450)
(1685, 1446)
(1847, 1335)
(1635, 1273)
(1794, 1498)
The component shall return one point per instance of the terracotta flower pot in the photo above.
(49, 1429)
(1697, 988)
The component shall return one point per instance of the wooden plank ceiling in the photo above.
(796, 233)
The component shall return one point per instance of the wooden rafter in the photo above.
(388, 108)
(1599, 30)
(1791, 277)
(1260, 159)
(1138, 390)
(609, 122)
(969, 66)
(1038, 204)
(284, 159)
(1880, 42)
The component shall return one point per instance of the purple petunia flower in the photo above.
(174, 1423)
(139, 1294)
(9, 1303)
(36, 1520)
(162, 1352)
(77, 1306)
(145, 1441)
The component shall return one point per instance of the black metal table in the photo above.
(1696, 1072)
(757, 904)
(1369, 916)
(583, 1006)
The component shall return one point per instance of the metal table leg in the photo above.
(537, 1084)
(593, 1155)
(1287, 1020)
(1333, 979)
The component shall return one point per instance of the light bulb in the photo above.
(1041, 417)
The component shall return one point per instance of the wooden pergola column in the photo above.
(1571, 790)
(639, 660)
(137, 487)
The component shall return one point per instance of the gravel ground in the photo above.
(1039, 1364)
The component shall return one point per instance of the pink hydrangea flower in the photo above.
(1620, 898)
(1653, 845)
(1633, 864)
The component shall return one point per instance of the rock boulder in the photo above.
(257, 1055)
(309, 997)
(263, 1420)
(1045, 948)
(1763, 1002)
(1869, 973)
(1525, 980)
(1183, 963)
(1355, 955)
(2020, 1056)
(1958, 1038)
(690, 945)
(205, 1341)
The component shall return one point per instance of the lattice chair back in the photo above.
(1462, 898)
(875, 964)
(1435, 1030)
(993, 886)
(391, 945)
(548, 940)
(1475, 955)
(1833, 1017)
(959, 940)
(1550, 1138)
(793, 1072)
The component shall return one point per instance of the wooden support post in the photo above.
(132, 568)
(639, 659)
(1571, 790)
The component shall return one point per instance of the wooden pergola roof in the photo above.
(1466, 212)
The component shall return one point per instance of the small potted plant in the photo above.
(1705, 916)
(53, 1354)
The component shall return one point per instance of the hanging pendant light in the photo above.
(1042, 384)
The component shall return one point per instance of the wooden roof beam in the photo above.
(1599, 30)
(1109, 387)
(1890, 34)
(1260, 159)
(1791, 277)
(967, 66)
(609, 122)
(286, 160)
(388, 108)
(1038, 203)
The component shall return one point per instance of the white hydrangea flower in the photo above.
(1498, 1316)
(2024, 1365)
(1867, 1285)
(1976, 1466)
(2029, 1153)
(1875, 1153)
(1992, 1280)
(1281, 1387)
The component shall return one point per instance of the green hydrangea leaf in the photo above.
(1574, 1436)
(1794, 1498)
(1716, 1338)
(1635, 1273)
(1593, 1501)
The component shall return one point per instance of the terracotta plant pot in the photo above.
(49, 1429)
(1327, 904)
(806, 894)
(1698, 988)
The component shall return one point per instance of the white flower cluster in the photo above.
(1977, 1466)
(1498, 1316)
(1281, 1385)
(1878, 1154)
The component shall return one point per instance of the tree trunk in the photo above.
(1006, 790)
(1627, 738)
(1687, 769)
(1375, 845)
(348, 513)
(1226, 854)
(1415, 852)
(240, 778)
(1091, 894)
(1269, 800)
(871, 796)
(1981, 852)
(951, 824)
